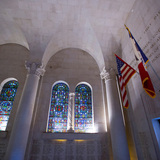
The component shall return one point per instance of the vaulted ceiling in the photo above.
(45, 27)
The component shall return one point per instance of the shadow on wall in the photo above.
(112, 48)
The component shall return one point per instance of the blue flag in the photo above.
(145, 59)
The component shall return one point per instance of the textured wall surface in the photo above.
(74, 147)
(144, 22)
(97, 28)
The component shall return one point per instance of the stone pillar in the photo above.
(20, 131)
(71, 113)
(116, 124)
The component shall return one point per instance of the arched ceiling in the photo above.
(95, 26)
(75, 34)
(11, 33)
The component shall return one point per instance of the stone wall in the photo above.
(144, 21)
(74, 147)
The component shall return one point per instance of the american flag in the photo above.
(125, 72)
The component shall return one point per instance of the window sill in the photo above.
(72, 136)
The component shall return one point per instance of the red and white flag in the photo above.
(125, 72)
(142, 60)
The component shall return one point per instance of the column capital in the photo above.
(108, 74)
(72, 95)
(35, 68)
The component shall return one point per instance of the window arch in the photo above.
(7, 96)
(83, 108)
(57, 121)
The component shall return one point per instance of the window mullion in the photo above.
(70, 127)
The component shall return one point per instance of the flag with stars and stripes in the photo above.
(125, 72)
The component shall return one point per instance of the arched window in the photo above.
(58, 112)
(83, 108)
(7, 96)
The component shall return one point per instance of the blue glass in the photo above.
(58, 108)
(7, 96)
(83, 108)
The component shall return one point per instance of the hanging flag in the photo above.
(125, 72)
(142, 60)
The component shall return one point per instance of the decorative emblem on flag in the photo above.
(142, 60)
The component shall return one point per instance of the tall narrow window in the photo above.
(57, 121)
(83, 109)
(7, 96)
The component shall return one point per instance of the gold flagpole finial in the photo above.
(128, 30)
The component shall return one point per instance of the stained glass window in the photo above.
(7, 96)
(83, 108)
(57, 121)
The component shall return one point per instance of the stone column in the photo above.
(116, 124)
(20, 131)
(71, 113)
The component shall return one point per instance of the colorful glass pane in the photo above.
(58, 108)
(83, 108)
(7, 96)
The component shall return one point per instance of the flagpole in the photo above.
(120, 95)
